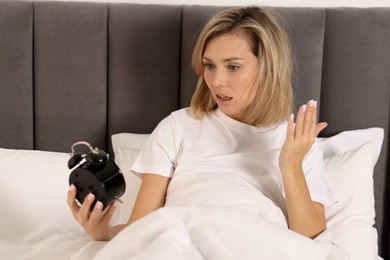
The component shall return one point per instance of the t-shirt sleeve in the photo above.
(159, 153)
(317, 182)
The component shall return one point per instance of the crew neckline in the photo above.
(235, 124)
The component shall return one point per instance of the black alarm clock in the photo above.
(97, 174)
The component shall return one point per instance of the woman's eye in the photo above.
(233, 67)
(208, 66)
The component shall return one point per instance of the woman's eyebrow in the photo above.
(224, 60)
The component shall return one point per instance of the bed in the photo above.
(107, 73)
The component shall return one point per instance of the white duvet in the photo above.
(209, 232)
(37, 224)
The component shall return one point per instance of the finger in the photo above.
(300, 121)
(96, 213)
(72, 199)
(313, 120)
(308, 118)
(86, 206)
(321, 126)
(111, 210)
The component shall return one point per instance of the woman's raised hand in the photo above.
(95, 222)
(300, 136)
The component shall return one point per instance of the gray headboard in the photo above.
(73, 71)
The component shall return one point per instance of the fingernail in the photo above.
(315, 103)
(72, 187)
(311, 103)
(292, 117)
(304, 108)
(90, 197)
(99, 205)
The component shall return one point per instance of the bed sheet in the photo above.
(210, 232)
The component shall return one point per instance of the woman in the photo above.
(238, 139)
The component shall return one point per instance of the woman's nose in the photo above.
(219, 79)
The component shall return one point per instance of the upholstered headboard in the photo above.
(73, 71)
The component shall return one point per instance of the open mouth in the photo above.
(223, 98)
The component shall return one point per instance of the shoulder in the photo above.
(182, 114)
(183, 118)
(174, 117)
(174, 124)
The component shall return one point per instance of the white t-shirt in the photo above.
(221, 161)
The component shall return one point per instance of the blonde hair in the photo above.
(269, 43)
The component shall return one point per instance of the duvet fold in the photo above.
(209, 232)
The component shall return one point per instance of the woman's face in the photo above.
(230, 69)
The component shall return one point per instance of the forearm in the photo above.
(304, 216)
(151, 196)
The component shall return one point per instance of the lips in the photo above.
(223, 98)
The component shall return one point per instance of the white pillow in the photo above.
(351, 219)
(348, 140)
(34, 213)
(126, 147)
(349, 159)
(344, 153)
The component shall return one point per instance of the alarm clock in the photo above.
(94, 172)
